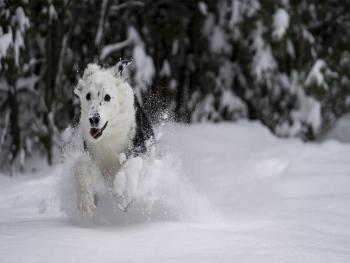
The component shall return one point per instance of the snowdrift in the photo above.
(217, 193)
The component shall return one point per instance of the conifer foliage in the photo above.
(284, 63)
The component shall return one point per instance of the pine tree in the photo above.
(13, 26)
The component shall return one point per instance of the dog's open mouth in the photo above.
(96, 133)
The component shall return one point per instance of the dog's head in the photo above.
(102, 93)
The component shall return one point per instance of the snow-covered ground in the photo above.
(235, 194)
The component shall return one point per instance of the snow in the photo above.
(145, 69)
(233, 103)
(203, 8)
(235, 13)
(209, 109)
(133, 38)
(16, 41)
(52, 12)
(23, 24)
(263, 60)
(247, 196)
(280, 23)
(166, 69)
(109, 49)
(5, 43)
(99, 33)
(340, 130)
(290, 48)
(308, 113)
(205, 109)
(218, 41)
(19, 43)
(316, 75)
(308, 36)
(22, 19)
(27, 83)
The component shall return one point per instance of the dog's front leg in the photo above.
(85, 188)
(126, 182)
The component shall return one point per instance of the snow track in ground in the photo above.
(251, 198)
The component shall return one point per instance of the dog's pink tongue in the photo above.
(94, 132)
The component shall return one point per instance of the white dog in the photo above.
(113, 124)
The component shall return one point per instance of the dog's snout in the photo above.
(94, 120)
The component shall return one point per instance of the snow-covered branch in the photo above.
(109, 49)
(101, 22)
(127, 4)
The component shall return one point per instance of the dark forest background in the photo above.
(284, 63)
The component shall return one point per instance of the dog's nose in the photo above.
(94, 120)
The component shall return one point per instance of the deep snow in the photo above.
(236, 193)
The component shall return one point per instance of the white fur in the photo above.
(106, 150)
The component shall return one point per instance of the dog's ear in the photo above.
(121, 66)
(90, 69)
(79, 88)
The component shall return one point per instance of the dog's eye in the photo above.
(88, 96)
(107, 98)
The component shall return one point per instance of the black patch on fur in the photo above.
(144, 131)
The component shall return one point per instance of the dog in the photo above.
(114, 127)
